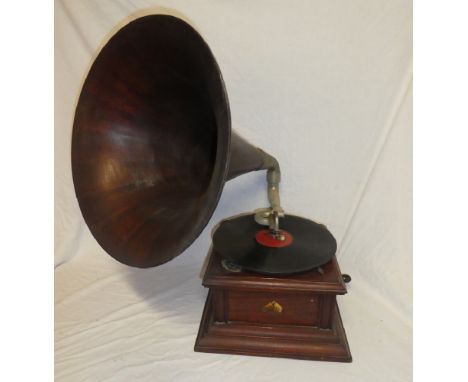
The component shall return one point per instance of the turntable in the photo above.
(152, 147)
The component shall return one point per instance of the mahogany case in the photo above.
(294, 316)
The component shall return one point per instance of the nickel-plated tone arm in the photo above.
(245, 158)
(273, 179)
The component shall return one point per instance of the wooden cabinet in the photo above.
(292, 316)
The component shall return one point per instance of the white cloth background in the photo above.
(323, 85)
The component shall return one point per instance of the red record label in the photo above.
(265, 238)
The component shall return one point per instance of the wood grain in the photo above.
(308, 325)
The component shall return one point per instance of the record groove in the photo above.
(312, 246)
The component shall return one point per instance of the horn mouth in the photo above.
(151, 141)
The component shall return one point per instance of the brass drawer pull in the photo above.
(273, 306)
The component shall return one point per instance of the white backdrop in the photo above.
(323, 85)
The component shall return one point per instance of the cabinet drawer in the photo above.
(281, 308)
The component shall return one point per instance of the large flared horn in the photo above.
(152, 145)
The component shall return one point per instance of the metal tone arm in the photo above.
(245, 158)
(270, 216)
(273, 179)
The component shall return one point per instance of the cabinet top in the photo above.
(328, 282)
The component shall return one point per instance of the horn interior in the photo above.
(150, 141)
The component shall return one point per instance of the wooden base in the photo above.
(300, 342)
(292, 316)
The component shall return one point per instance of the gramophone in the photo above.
(152, 148)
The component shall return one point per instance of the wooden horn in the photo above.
(152, 143)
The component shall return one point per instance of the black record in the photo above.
(312, 245)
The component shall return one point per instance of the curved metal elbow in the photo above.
(273, 179)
